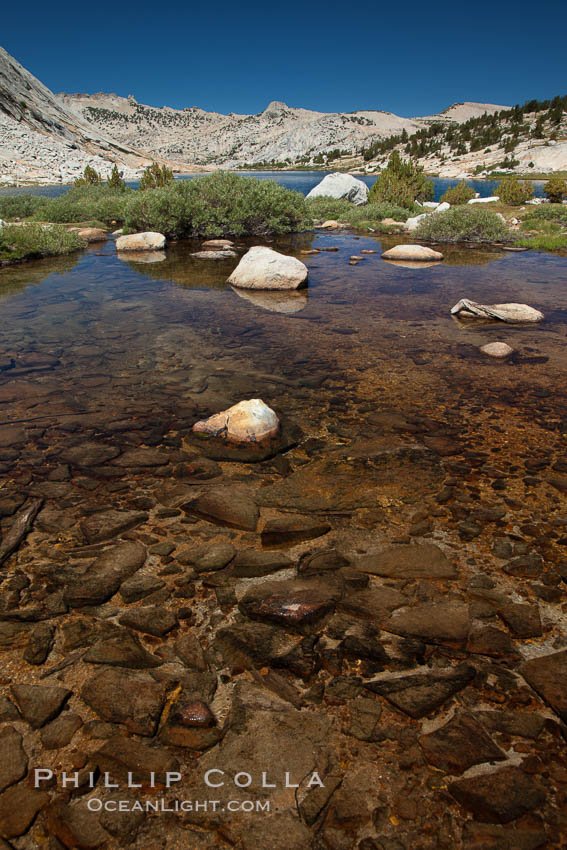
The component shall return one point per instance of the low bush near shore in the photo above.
(330, 208)
(26, 241)
(463, 224)
(220, 205)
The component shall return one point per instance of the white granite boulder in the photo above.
(340, 185)
(246, 422)
(263, 268)
(413, 222)
(148, 241)
(490, 200)
(412, 252)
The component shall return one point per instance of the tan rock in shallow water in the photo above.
(512, 313)
(148, 241)
(412, 252)
(217, 243)
(263, 268)
(91, 234)
(500, 350)
(245, 422)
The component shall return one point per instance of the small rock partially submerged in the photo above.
(263, 268)
(148, 241)
(220, 254)
(412, 252)
(90, 234)
(217, 243)
(247, 421)
(511, 313)
(500, 350)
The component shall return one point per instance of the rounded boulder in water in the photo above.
(499, 350)
(417, 253)
(263, 268)
(245, 422)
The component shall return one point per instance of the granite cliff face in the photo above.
(42, 140)
(49, 138)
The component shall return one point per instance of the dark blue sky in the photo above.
(412, 58)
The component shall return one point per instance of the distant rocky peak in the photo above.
(275, 108)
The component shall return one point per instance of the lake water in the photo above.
(299, 181)
(407, 434)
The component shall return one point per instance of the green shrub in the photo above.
(85, 203)
(33, 240)
(459, 194)
(556, 189)
(342, 210)
(13, 207)
(549, 213)
(156, 177)
(514, 192)
(463, 224)
(220, 205)
(401, 183)
(161, 210)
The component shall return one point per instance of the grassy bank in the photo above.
(367, 217)
(544, 228)
(33, 241)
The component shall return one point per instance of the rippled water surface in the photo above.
(401, 431)
(95, 338)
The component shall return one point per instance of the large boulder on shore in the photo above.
(340, 185)
(263, 268)
(412, 252)
(148, 241)
(247, 421)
